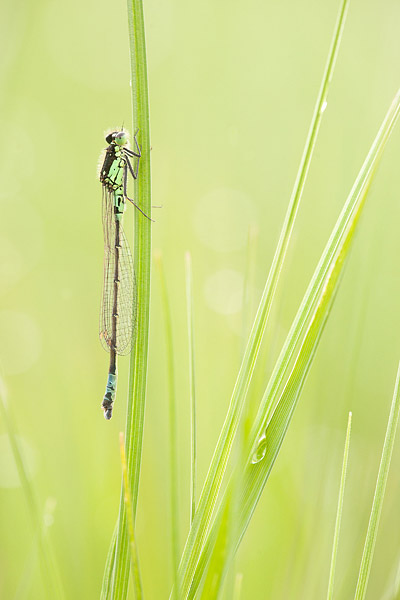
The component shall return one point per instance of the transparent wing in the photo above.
(126, 299)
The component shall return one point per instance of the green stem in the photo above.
(339, 511)
(138, 366)
(137, 581)
(192, 387)
(173, 437)
(376, 509)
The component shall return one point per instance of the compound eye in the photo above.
(110, 137)
(120, 138)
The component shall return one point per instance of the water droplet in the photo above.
(323, 107)
(261, 450)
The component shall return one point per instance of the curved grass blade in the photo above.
(276, 408)
(221, 455)
(377, 504)
(339, 511)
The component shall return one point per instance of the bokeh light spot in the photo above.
(222, 219)
(223, 292)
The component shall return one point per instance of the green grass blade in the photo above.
(376, 510)
(119, 566)
(248, 284)
(108, 569)
(260, 462)
(339, 511)
(276, 408)
(192, 386)
(173, 437)
(137, 581)
(217, 565)
(218, 465)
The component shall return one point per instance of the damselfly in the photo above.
(118, 307)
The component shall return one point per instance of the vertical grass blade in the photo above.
(137, 582)
(173, 437)
(376, 510)
(115, 582)
(339, 511)
(192, 386)
(219, 461)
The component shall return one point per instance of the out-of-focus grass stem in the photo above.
(339, 511)
(192, 382)
(380, 488)
(173, 433)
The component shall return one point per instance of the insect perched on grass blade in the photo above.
(118, 307)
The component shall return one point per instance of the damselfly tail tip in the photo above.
(107, 406)
(107, 413)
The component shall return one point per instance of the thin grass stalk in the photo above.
(115, 586)
(339, 511)
(248, 284)
(109, 566)
(135, 570)
(379, 495)
(217, 566)
(220, 458)
(173, 430)
(192, 384)
(221, 557)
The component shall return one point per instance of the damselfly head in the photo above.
(118, 137)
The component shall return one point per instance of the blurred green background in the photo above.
(232, 91)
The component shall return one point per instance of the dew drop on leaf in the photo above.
(260, 450)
